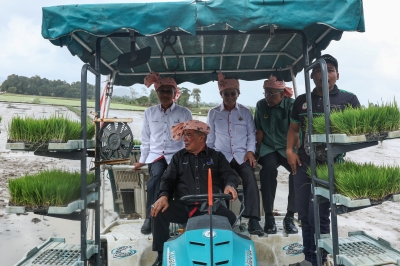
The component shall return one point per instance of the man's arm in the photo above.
(226, 172)
(292, 140)
(259, 138)
(251, 140)
(210, 122)
(167, 185)
(145, 146)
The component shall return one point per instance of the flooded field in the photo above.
(19, 234)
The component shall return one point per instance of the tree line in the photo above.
(57, 88)
(148, 98)
(43, 87)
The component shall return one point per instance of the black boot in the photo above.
(158, 261)
(146, 227)
(270, 226)
(254, 227)
(289, 226)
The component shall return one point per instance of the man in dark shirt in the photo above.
(187, 174)
(299, 163)
(272, 119)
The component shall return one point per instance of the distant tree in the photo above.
(12, 90)
(134, 93)
(142, 100)
(153, 97)
(42, 86)
(196, 95)
(184, 99)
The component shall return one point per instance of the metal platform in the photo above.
(70, 208)
(70, 145)
(55, 252)
(348, 202)
(345, 139)
(360, 249)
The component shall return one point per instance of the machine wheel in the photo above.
(115, 141)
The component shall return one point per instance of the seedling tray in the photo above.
(360, 249)
(70, 208)
(345, 139)
(55, 252)
(348, 202)
(70, 145)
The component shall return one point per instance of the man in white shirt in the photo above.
(157, 145)
(232, 132)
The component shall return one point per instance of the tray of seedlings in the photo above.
(48, 192)
(361, 185)
(355, 125)
(56, 133)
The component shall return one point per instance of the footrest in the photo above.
(360, 249)
(55, 252)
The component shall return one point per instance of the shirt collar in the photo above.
(172, 107)
(206, 151)
(334, 91)
(222, 107)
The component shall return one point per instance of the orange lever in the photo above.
(210, 190)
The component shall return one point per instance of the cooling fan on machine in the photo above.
(115, 141)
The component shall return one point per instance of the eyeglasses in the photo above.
(270, 94)
(165, 92)
(233, 94)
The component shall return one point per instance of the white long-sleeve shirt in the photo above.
(232, 132)
(156, 134)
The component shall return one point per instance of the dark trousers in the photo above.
(250, 189)
(268, 174)
(177, 212)
(156, 170)
(304, 206)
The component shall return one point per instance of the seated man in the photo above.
(272, 118)
(232, 132)
(187, 174)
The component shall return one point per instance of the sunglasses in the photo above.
(226, 94)
(270, 94)
(165, 92)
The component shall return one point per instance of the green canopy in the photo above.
(246, 39)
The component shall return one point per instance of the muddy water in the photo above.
(18, 234)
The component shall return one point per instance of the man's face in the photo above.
(229, 96)
(333, 76)
(192, 140)
(273, 96)
(166, 94)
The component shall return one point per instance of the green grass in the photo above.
(366, 180)
(363, 120)
(31, 99)
(57, 128)
(47, 188)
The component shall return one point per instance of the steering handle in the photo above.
(204, 197)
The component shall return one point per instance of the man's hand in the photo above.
(138, 166)
(160, 205)
(250, 157)
(293, 160)
(230, 190)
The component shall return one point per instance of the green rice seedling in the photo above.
(366, 180)
(46, 188)
(57, 128)
(373, 119)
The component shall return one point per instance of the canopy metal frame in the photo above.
(307, 68)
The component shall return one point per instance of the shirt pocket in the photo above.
(240, 129)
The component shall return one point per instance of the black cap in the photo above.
(330, 59)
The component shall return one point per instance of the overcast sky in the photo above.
(369, 62)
